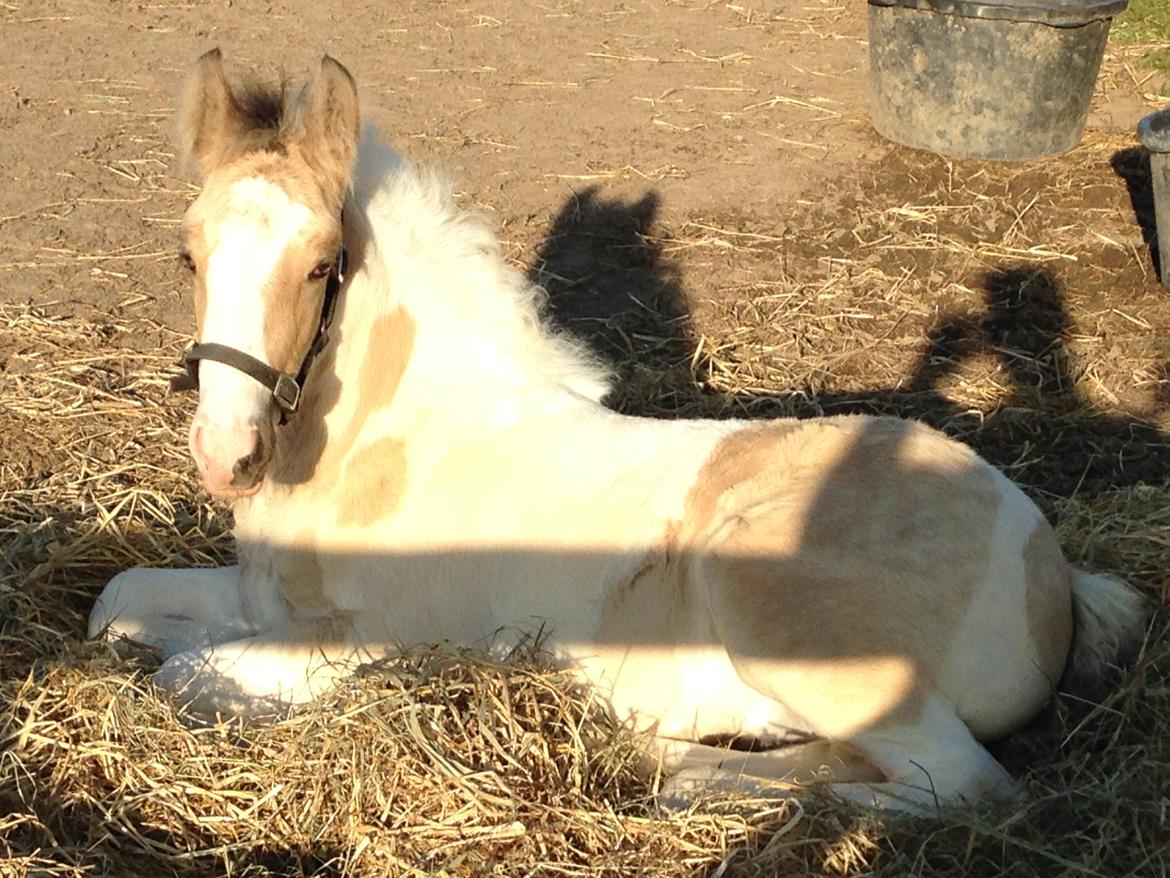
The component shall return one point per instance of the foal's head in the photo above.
(261, 241)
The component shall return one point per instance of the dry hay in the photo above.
(450, 764)
(439, 762)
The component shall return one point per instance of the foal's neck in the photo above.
(435, 332)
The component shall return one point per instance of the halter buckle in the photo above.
(287, 393)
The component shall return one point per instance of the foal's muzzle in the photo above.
(231, 461)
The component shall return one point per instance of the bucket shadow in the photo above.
(1133, 166)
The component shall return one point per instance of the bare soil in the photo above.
(523, 107)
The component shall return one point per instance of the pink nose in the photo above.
(231, 461)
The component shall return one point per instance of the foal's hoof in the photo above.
(690, 786)
(210, 695)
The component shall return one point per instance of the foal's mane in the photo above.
(414, 218)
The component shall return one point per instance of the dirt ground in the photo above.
(711, 109)
(698, 187)
(522, 105)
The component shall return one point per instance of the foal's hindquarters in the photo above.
(890, 591)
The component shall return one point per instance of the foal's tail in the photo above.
(1109, 619)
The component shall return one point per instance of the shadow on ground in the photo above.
(609, 281)
(1133, 166)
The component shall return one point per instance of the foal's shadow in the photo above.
(1043, 431)
(604, 273)
(610, 282)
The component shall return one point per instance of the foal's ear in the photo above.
(331, 124)
(210, 119)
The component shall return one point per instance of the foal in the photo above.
(415, 457)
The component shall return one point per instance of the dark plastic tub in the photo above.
(996, 79)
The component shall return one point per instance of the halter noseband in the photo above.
(286, 389)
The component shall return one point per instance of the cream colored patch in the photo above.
(847, 543)
(314, 453)
(1049, 601)
(374, 483)
(388, 350)
(820, 644)
(753, 454)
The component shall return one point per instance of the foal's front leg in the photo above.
(172, 610)
(263, 673)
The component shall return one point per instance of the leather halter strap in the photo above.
(286, 389)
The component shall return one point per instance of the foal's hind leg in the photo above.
(837, 651)
(914, 766)
(173, 610)
(699, 770)
(928, 760)
(925, 752)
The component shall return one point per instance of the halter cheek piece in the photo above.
(285, 388)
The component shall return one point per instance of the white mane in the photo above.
(445, 266)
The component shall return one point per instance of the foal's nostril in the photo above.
(248, 469)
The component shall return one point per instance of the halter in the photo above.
(286, 389)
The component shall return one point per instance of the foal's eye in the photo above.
(188, 261)
(322, 270)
